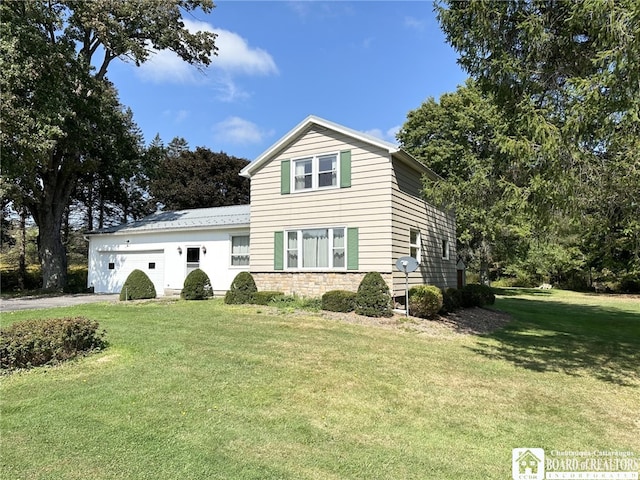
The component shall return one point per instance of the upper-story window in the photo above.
(310, 173)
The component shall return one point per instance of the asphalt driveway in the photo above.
(45, 301)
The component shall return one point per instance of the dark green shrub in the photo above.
(476, 295)
(242, 289)
(373, 298)
(265, 297)
(425, 301)
(451, 300)
(137, 286)
(339, 301)
(197, 286)
(630, 284)
(40, 342)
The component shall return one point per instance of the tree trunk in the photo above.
(48, 212)
(22, 260)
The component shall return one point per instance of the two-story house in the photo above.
(328, 205)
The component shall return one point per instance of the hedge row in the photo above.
(40, 342)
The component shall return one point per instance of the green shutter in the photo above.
(285, 177)
(278, 250)
(345, 169)
(352, 249)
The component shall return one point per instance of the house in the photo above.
(328, 205)
(168, 245)
(528, 463)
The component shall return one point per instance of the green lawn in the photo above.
(201, 390)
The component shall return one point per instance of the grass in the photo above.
(197, 390)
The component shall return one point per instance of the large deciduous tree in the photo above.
(55, 97)
(199, 179)
(567, 76)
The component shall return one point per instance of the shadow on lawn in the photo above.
(578, 340)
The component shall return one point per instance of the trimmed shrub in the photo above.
(197, 286)
(265, 297)
(425, 301)
(339, 301)
(373, 298)
(451, 300)
(476, 295)
(137, 286)
(40, 342)
(242, 289)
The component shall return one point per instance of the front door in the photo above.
(193, 259)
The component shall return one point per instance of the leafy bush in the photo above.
(630, 284)
(265, 297)
(425, 301)
(197, 286)
(40, 342)
(476, 295)
(451, 300)
(294, 302)
(373, 298)
(242, 289)
(137, 286)
(339, 301)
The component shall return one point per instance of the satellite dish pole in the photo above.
(406, 265)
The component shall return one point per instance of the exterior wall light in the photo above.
(204, 249)
(179, 250)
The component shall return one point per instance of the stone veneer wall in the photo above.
(311, 284)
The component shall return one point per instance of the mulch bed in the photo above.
(468, 321)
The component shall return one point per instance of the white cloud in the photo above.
(237, 130)
(414, 23)
(388, 136)
(235, 57)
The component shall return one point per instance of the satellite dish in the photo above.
(407, 264)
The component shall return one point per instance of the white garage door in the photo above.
(115, 267)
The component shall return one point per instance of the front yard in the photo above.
(202, 390)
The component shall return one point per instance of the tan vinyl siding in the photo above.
(365, 205)
(411, 212)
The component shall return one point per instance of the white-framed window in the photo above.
(316, 248)
(312, 173)
(239, 250)
(414, 244)
(445, 249)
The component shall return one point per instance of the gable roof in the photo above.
(393, 149)
(193, 219)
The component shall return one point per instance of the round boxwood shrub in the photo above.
(451, 300)
(197, 286)
(137, 286)
(339, 301)
(373, 298)
(242, 289)
(425, 301)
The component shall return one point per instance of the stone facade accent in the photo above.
(311, 284)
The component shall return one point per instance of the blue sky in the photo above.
(360, 64)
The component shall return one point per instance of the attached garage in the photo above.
(118, 265)
(168, 245)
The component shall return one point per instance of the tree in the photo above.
(200, 179)
(567, 75)
(54, 99)
(458, 138)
